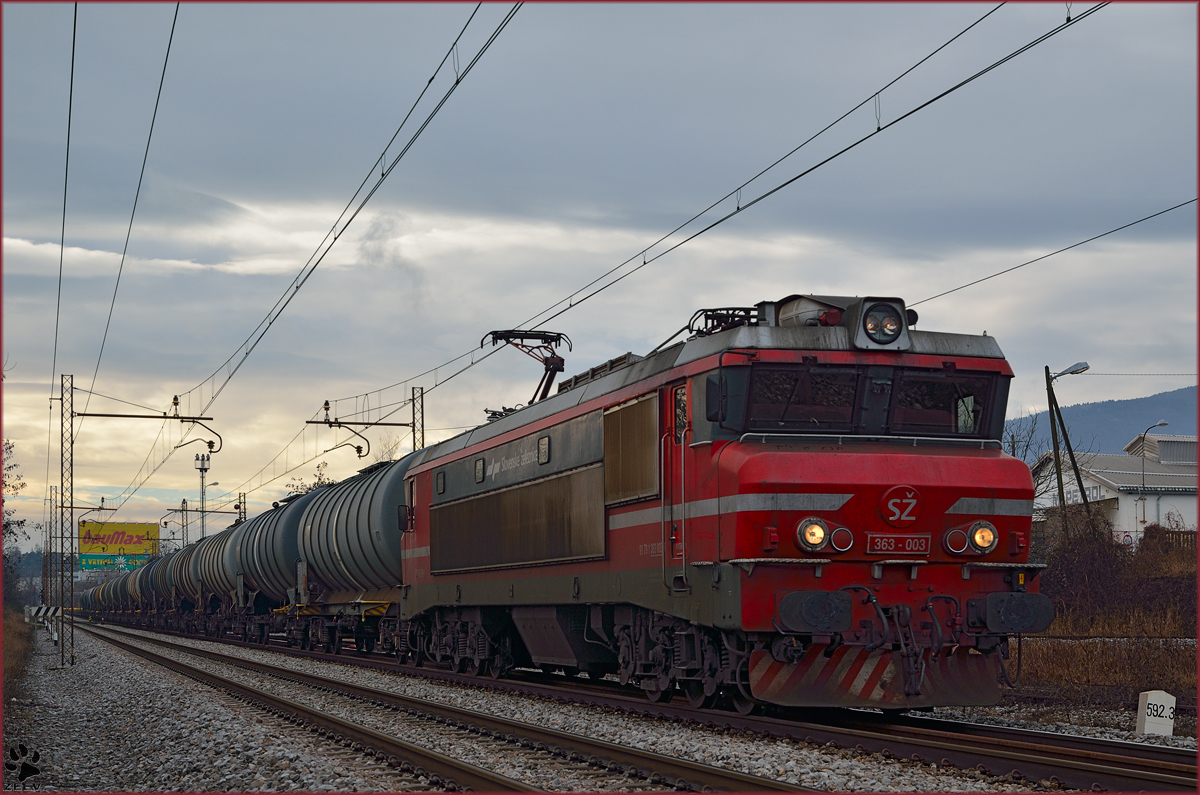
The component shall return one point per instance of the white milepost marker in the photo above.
(1156, 713)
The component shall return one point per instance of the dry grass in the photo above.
(1110, 671)
(18, 646)
(1133, 621)
(1135, 613)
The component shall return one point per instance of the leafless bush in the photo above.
(1100, 588)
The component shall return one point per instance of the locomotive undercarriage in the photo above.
(661, 654)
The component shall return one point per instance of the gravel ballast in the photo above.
(179, 715)
(113, 722)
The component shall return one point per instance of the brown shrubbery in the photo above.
(18, 646)
(1104, 591)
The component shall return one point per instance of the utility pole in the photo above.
(62, 547)
(183, 522)
(65, 588)
(202, 461)
(418, 421)
(1054, 413)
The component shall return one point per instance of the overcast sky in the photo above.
(584, 134)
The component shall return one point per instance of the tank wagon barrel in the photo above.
(348, 533)
(271, 548)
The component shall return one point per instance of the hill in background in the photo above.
(1109, 425)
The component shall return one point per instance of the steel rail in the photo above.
(443, 770)
(1078, 762)
(679, 773)
(1178, 760)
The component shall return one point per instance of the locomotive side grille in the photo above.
(631, 451)
(556, 519)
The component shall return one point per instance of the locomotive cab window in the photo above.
(874, 400)
(784, 399)
(937, 403)
(681, 414)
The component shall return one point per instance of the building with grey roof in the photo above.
(1153, 483)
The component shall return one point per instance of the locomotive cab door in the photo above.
(676, 436)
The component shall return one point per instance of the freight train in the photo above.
(805, 503)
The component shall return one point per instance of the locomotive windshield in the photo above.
(871, 400)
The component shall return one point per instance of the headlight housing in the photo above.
(983, 537)
(841, 539)
(812, 534)
(882, 323)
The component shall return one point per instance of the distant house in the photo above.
(1152, 482)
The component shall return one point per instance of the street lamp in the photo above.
(202, 462)
(1142, 493)
(1054, 413)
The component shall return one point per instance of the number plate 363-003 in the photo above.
(893, 544)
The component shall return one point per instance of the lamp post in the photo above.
(202, 461)
(1142, 493)
(1054, 414)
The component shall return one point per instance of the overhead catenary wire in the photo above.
(735, 192)
(61, 248)
(1145, 375)
(874, 96)
(128, 232)
(572, 303)
(1052, 253)
(230, 367)
(828, 159)
(741, 207)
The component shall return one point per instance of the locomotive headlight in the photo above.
(983, 537)
(882, 323)
(812, 533)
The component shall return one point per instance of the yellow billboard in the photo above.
(118, 538)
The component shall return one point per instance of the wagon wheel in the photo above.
(477, 667)
(460, 664)
(694, 690)
(337, 640)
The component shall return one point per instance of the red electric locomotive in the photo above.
(805, 503)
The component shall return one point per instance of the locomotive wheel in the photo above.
(743, 704)
(659, 695)
(694, 690)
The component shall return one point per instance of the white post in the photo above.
(1156, 713)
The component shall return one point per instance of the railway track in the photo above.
(664, 771)
(1074, 761)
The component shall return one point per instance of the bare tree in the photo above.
(386, 448)
(320, 479)
(14, 529)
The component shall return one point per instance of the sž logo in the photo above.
(900, 506)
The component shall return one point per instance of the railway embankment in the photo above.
(1125, 618)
